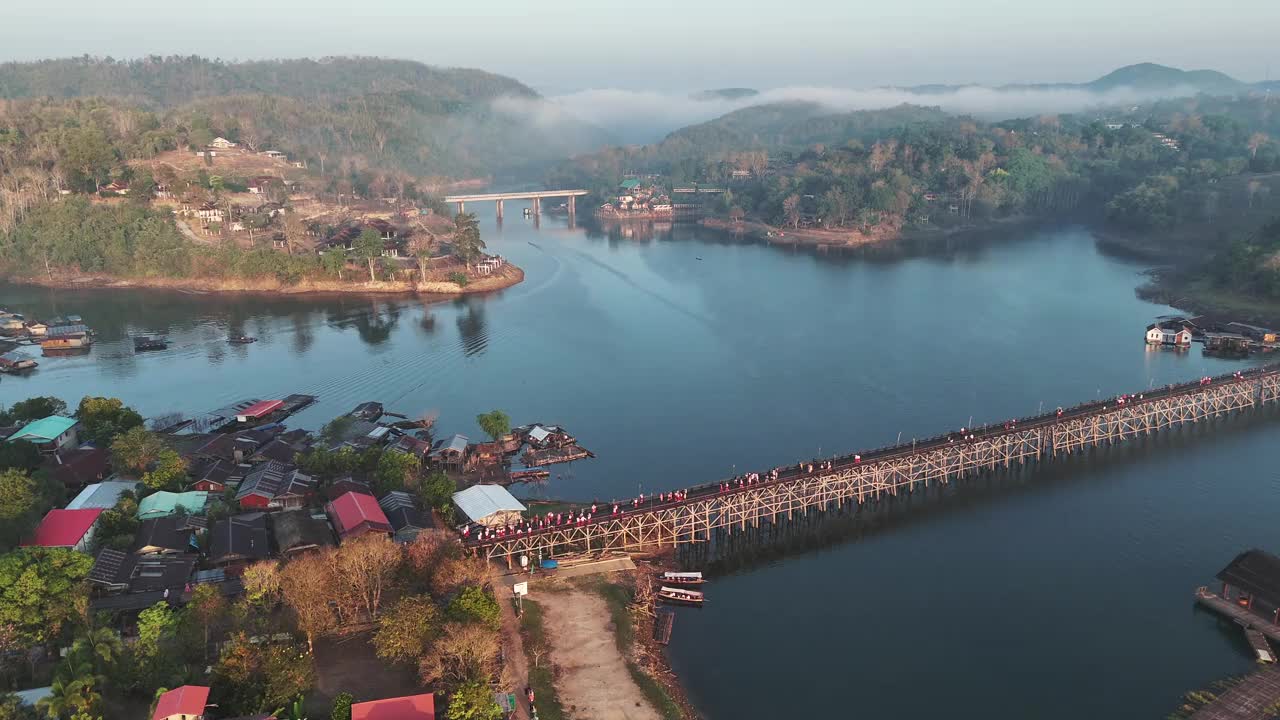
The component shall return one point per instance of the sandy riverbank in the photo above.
(846, 238)
(506, 277)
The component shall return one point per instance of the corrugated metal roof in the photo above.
(259, 409)
(102, 495)
(44, 429)
(164, 503)
(481, 501)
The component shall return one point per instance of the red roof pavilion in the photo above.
(258, 409)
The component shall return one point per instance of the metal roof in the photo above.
(102, 495)
(164, 503)
(44, 429)
(481, 501)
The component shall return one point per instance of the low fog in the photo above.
(647, 116)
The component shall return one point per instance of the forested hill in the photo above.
(172, 81)
(339, 113)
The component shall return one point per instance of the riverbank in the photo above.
(505, 277)
(818, 237)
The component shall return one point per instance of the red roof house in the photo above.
(409, 707)
(66, 528)
(355, 514)
(184, 703)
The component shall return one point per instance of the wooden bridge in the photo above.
(888, 472)
(536, 196)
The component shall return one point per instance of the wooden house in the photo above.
(1169, 333)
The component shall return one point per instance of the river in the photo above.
(685, 356)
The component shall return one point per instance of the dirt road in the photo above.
(595, 683)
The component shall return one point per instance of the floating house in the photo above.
(16, 361)
(1175, 334)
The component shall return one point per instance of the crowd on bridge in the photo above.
(595, 513)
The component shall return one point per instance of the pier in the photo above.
(709, 511)
(536, 197)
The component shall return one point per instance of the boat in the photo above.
(682, 578)
(142, 343)
(680, 596)
(528, 474)
(241, 339)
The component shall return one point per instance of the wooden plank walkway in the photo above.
(1242, 616)
(663, 625)
(1250, 700)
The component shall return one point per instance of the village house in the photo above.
(184, 703)
(115, 572)
(239, 540)
(115, 187)
(72, 529)
(165, 536)
(1169, 333)
(451, 454)
(213, 475)
(54, 434)
(164, 504)
(405, 517)
(258, 185)
(79, 467)
(210, 213)
(103, 495)
(355, 514)
(274, 485)
(221, 143)
(409, 707)
(275, 154)
(297, 531)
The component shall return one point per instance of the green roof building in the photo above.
(52, 434)
(629, 184)
(164, 504)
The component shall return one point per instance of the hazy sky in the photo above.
(563, 45)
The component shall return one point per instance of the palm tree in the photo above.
(100, 644)
(74, 691)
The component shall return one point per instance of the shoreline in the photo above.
(811, 237)
(508, 276)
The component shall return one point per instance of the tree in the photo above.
(295, 231)
(102, 419)
(35, 408)
(39, 588)
(307, 584)
(494, 423)
(473, 604)
(436, 490)
(262, 583)
(1256, 141)
(406, 629)
(17, 496)
(20, 455)
(366, 568)
(467, 243)
(396, 471)
(136, 450)
(463, 650)
(334, 261)
(791, 210)
(167, 472)
(472, 700)
(369, 247)
(288, 672)
(157, 626)
(341, 706)
(207, 607)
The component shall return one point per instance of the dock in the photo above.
(1260, 646)
(1252, 699)
(1241, 616)
(662, 626)
(551, 456)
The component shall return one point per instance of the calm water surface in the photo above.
(681, 358)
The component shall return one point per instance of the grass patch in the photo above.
(618, 599)
(537, 651)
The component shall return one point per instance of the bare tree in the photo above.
(308, 583)
(366, 569)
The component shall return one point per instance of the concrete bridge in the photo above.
(535, 196)
(710, 511)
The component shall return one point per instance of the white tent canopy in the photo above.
(488, 504)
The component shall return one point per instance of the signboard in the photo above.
(520, 588)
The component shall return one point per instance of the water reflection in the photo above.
(471, 326)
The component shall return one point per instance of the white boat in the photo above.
(681, 595)
(682, 578)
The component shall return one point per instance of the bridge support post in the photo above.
(537, 206)
(499, 206)
(573, 205)
(462, 207)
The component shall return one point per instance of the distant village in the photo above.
(1220, 336)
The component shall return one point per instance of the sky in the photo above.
(566, 46)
